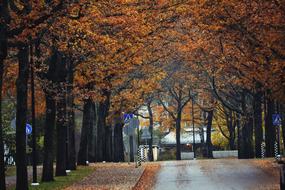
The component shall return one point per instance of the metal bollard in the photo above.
(263, 150)
(139, 157)
(144, 156)
(276, 150)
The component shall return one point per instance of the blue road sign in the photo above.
(128, 117)
(29, 129)
(276, 119)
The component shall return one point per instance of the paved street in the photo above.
(220, 174)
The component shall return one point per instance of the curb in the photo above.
(138, 179)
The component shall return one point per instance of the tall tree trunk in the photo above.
(4, 16)
(2, 163)
(246, 132)
(242, 153)
(178, 129)
(61, 129)
(61, 121)
(209, 146)
(258, 132)
(150, 152)
(238, 122)
(33, 109)
(246, 136)
(102, 114)
(47, 174)
(71, 118)
(118, 141)
(270, 135)
(231, 128)
(108, 143)
(49, 145)
(21, 118)
(72, 151)
(85, 131)
(101, 152)
(92, 136)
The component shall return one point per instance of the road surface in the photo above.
(220, 174)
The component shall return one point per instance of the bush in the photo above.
(167, 155)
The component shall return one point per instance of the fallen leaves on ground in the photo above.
(268, 166)
(115, 176)
(148, 178)
(272, 169)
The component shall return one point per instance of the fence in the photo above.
(225, 153)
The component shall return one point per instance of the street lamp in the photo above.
(193, 126)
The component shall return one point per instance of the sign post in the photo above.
(29, 131)
(131, 124)
(276, 121)
(193, 127)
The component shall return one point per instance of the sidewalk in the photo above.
(106, 176)
(110, 176)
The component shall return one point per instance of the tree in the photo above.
(209, 146)
(61, 120)
(244, 30)
(85, 132)
(114, 70)
(27, 19)
(21, 117)
(71, 117)
(177, 94)
(4, 17)
(2, 163)
(258, 131)
(225, 122)
(150, 152)
(50, 92)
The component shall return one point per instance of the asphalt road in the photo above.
(220, 174)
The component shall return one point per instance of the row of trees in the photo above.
(94, 53)
(112, 57)
(249, 68)
(229, 54)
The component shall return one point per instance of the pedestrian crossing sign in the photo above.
(128, 117)
(276, 119)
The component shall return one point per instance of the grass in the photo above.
(11, 171)
(62, 182)
(65, 181)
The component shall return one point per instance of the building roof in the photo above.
(185, 138)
